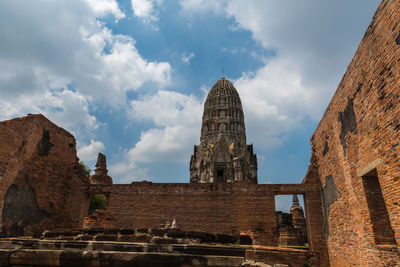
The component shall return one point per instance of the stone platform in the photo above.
(104, 247)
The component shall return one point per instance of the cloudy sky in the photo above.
(129, 78)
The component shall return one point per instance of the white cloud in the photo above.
(145, 9)
(103, 7)
(123, 69)
(58, 59)
(190, 7)
(178, 121)
(310, 41)
(128, 171)
(178, 118)
(51, 46)
(186, 57)
(168, 108)
(73, 109)
(170, 144)
(90, 151)
(275, 100)
(64, 107)
(313, 47)
(82, 51)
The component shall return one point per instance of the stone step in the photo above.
(146, 236)
(41, 252)
(197, 249)
(75, 257)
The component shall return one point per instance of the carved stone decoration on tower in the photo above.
(223, 155)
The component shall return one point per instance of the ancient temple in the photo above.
(292, 229)
(298, 220)
(223, 155)
(101, 173)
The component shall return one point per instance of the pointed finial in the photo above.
(295, 200)
(101, 165)
(295, 204)
(101, 161)
(101, 173)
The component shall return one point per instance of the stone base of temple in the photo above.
(145, 247)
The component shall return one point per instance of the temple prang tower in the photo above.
(298, 220)
(101, 173)
(223, 155)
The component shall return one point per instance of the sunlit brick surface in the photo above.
(41, 183)
(360, 131)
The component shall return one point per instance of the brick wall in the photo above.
(314, 215)
(359, 134)
(232, 207)
(42, 185)
(225, 208)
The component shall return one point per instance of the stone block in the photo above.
(126, 231)
(202, 236)
(225, 239)
(176, 234)
(106, 237)
(139, 238)
(245, 240)
(163, 240)
(158, 232)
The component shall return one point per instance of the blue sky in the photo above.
(128, 78)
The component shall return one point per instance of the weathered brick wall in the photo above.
(42, 187)
(314, 215)
(358, 135)
(224, 208)
(230, 207)
(41, 183)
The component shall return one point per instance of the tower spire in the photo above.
(101, 173)
(295, 201)
(223, 155)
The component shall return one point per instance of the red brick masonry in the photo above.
(227, 208)
(356, 151)
(351, 190)
(42, 185)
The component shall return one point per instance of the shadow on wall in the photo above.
(20, 210)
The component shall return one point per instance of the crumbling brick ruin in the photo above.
(46, 154)
(350, 191)
(42, 184)
(101, 173)
(355, 151)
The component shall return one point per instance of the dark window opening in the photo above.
(220, 176)
(383, 232)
